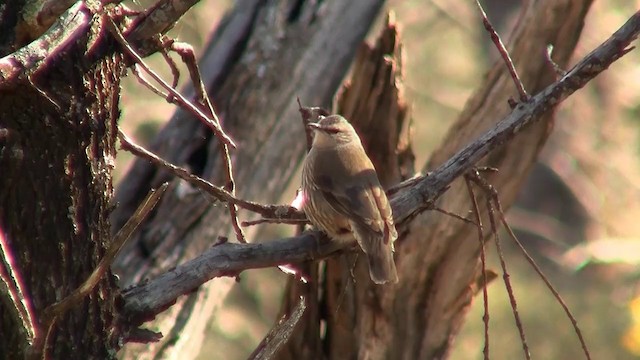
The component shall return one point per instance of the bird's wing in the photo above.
(359, 197)
(359, 204)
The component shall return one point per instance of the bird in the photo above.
(343, 196)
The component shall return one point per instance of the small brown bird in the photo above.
(343, 196)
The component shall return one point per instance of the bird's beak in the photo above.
(314, 126)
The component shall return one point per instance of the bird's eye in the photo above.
(332, 130)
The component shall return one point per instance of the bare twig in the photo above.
(307, 114)
(556, 68)
(493, 196)
(188, 57)
(187, 54)
(13, 289)
(524, 97)
(179, 97)
(442, 11)
(280, 334)
(267, 211)
(507, 282)
(275, 221)
(118, 242)
(136, 72)
(535, 266)
(43, 93)
(483, 262)
(454, 215)
(173, 66)
(490, 190)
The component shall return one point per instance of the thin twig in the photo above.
(556, 68)
(441, 11)
(33, 353)
(524, 97)
(483, 169)
(537, 269)
(489, 189)
(305, 120)
(136, 72)
(267, 211)
(453, 215)
(172, 65)
(507, 282)
(12, 283)
(44, 94)
(188, 57)
(179, 97)
(483, 261)
(275, 221)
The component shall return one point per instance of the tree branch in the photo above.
(33, 57)
(75, 22)
(144, 301)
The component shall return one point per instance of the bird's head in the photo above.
(332, 130)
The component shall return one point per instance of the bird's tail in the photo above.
(382, 267)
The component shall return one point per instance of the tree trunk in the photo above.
(56, 154)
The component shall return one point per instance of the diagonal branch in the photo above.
(143, 302)
(427, 189)
(280, 334)
(267, 211)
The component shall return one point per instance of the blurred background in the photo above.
(578, 214)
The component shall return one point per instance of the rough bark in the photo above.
(265, 55)
(56, 156)
(437, 256)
